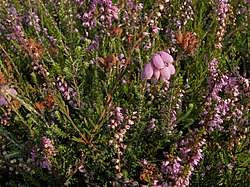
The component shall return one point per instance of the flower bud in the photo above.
(167, 58)
(171, 69)
(158, 61)
(147, 72)
(156, 74)
(165, 73)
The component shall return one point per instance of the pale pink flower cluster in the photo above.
(177, 170)
(222, 16)
(225, 92)
(159, 67)
(48, 152)
(120, 123)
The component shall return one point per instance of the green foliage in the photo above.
(81, 117)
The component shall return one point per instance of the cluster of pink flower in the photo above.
(225, 112)
(121, 122)
(94, 12)
(13, 26)
(48, 152)
(185, 13)
(88, 15)
(177, 170)
(49, 149)
(68, 92)
(222, 16)
(160, 67)
(225, 92)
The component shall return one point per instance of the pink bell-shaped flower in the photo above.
(156, 74)
(158, 62)
(167, 58)
(165, 73)
(171, 69)
(147, 71)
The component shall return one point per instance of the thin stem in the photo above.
(66, 112)
(74, 171)
(13, 64)
(120, 76)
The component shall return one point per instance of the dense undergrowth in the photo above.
(124, 93)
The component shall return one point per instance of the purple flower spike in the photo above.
(158, 62)
(167, 58)
(171, 69)
(165, 73)
(147, 72)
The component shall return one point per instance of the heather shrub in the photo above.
(124, 93)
